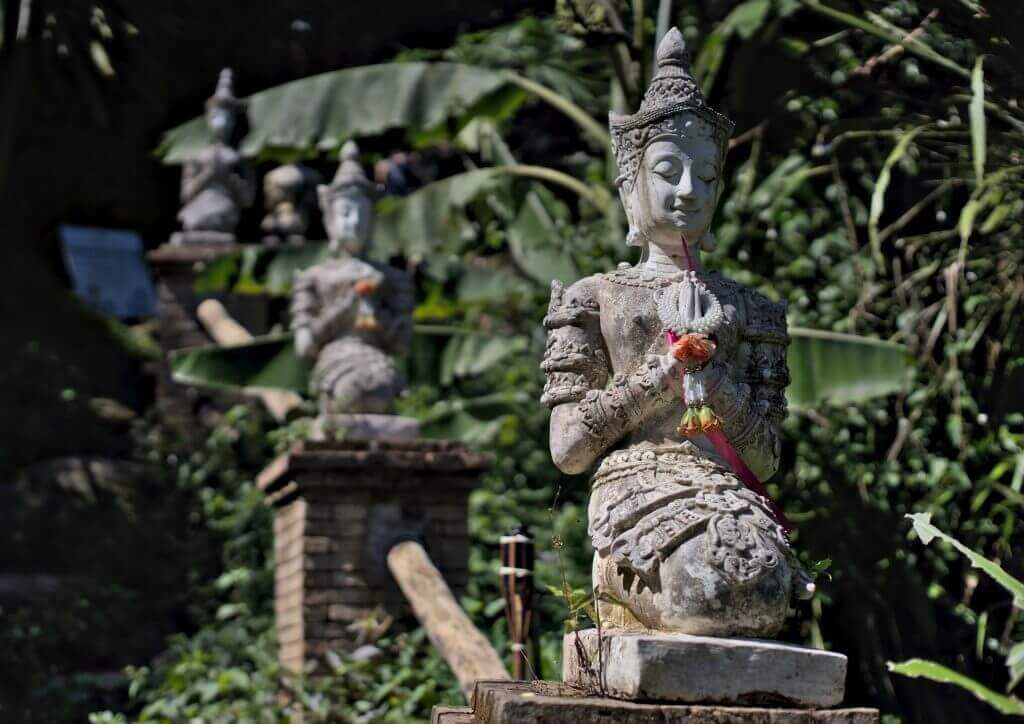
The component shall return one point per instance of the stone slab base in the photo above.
(365, 427)
(702, 669)
(202, 237)
(548, 702)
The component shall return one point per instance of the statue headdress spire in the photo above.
(350, 172)
(672, 92)
(224, 96)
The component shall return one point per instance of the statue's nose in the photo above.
(684, 189)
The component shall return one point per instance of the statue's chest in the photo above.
(632, 327)
(338, 277)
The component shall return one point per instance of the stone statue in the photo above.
(669, 378)
(217, 184)
(289, 197)
(351, 314)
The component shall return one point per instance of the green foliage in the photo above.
(304, 117)
(936, 672)
(832, 204)
(269, 362)
(1009, 705)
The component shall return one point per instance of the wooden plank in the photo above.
(467, 652)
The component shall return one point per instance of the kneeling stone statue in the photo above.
(669, 378)
(353, 315)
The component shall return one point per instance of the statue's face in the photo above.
(348, 220)
(221, 122)
(676, 188)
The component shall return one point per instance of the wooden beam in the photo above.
(467, 652)
(227, 332)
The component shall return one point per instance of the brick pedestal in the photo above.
(339, 507)
(176, 267)
(521, 702)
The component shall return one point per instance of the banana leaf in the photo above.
(842, 368)
(825, 366)
(307, 116)
(266, 363)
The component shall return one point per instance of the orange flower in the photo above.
(694, 349)
(365, 287)
(689, 426)
(708, 419)
(367, 323)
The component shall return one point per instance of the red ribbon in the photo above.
(721, 443)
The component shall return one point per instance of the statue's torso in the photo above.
(631, 330)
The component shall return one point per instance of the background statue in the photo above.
(350, 314)
(670, 378)
(289, 197)
(216, 185)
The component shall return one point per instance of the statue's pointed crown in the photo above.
(224, 95)
(671, 92)
(350, 172)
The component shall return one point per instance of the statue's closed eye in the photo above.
(708, 172)
(665, 167)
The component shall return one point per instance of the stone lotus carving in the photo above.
(682, 544)
(217, 184)
(350, 314)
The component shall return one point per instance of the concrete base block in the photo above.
(702, 669)
(521, 702)
(365, 426)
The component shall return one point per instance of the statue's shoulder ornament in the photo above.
(574, 360)
(576, 304)
(765, 318)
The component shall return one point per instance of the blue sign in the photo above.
(109, 271)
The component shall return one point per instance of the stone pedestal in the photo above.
(702, 669)
(339, 508)
(365, 426)
(176, 266)
(520, 702)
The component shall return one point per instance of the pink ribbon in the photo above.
(721, 443)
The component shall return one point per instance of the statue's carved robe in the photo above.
(356, 336)
(613, 404)
(216, 205)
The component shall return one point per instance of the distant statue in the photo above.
(669, 378)
(217, 184)
(289, 194)
(353, 315)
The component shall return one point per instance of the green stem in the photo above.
(598, 197)
(583, 119)
(912, 45)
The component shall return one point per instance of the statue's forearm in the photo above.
(581, 431)
(753, 433)
(195, 180)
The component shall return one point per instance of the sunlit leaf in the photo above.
(1015, 663)
(842, 368)
(928, 532)
(535, 243)
(914, 668)
(881, 185)
(977, 116)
